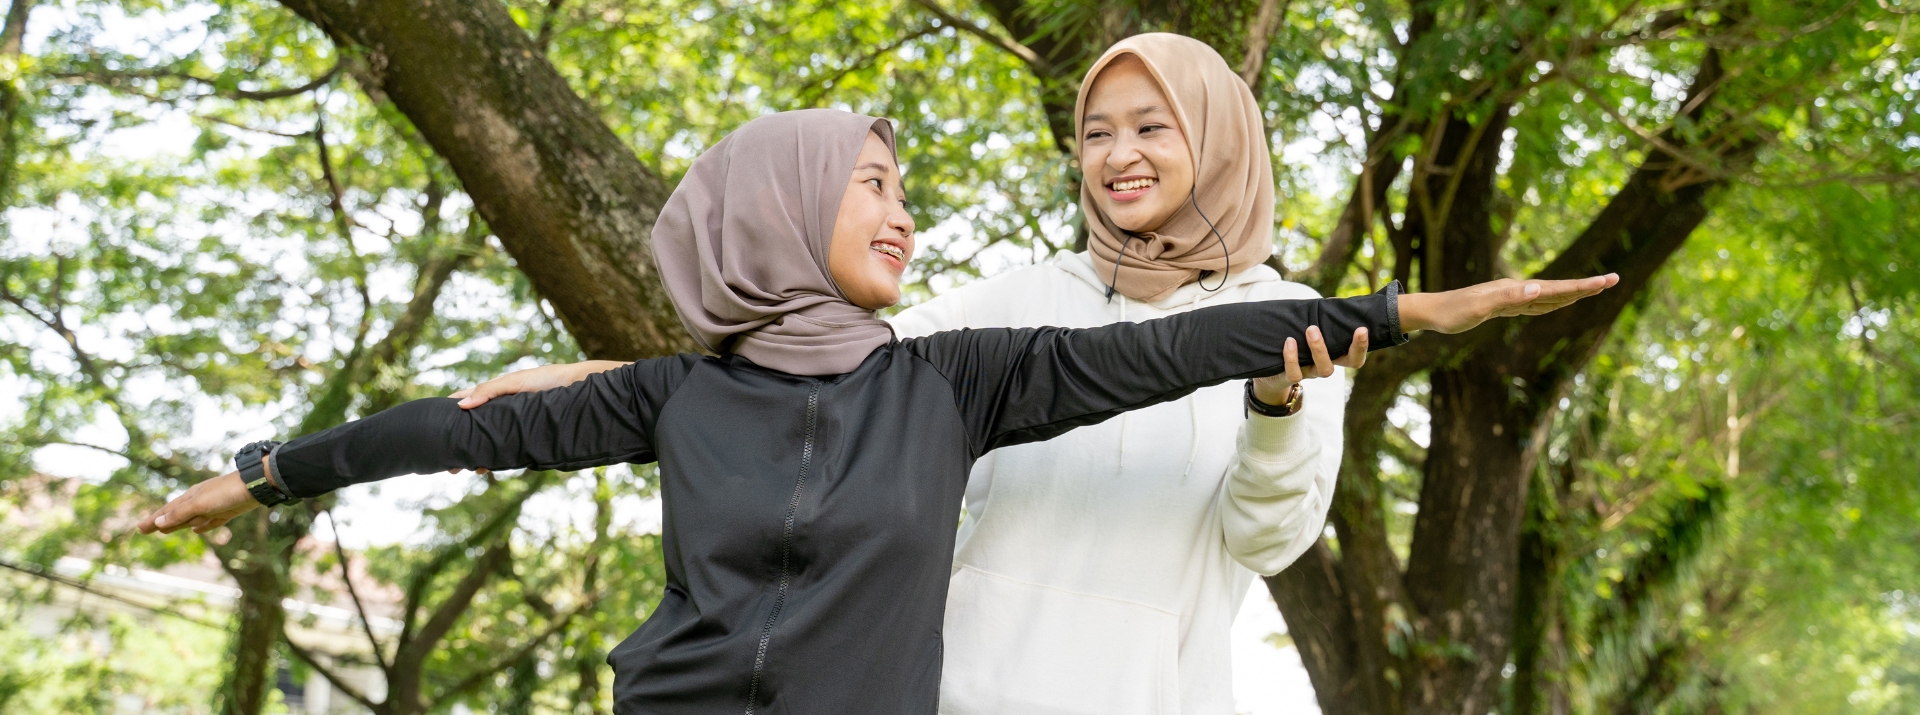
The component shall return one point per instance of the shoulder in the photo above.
(967, 350)
(662, 374)
(988, 302)
(1280, 289)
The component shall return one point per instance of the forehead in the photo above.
(1124, 85)
(875, 155)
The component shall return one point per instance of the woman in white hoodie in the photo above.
(1099, 572)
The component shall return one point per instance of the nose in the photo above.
(899, 220)
(1124, 152)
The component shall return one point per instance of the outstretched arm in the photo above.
(1027, 385)
(606, 419)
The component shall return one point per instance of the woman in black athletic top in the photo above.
(812, 467)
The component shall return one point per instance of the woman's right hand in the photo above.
(545, 377)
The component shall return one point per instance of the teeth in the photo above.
(890, 250)
(1133, 184)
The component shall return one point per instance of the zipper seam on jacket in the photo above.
(786, 548)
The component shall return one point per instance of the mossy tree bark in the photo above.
(569, 201)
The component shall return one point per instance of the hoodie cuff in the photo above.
(1392, 291)
(1277, 440)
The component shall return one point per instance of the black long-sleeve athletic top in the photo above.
(809, 521)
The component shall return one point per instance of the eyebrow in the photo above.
(877, 166)
(1141, 112)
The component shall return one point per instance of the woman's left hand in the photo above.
(206, 506)
(1273, 390)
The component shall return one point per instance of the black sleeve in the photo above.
(1026, 385)
(605, 419)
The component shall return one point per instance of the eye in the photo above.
(1097, 134)
(1150, 127)
(878, 185)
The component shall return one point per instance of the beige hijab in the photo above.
(742, 244)
(1233, 174)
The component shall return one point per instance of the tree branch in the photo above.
(1040, 65)
(455, 604)
(818, 86)
(565, 195)
(1259, 38)
(488, 533)
(113, 79)
(479, 677)
(1658, 140)
(346, 576)
(11, 39)
(86, 587)
(544, 39)
(15, 31)
(338, 681)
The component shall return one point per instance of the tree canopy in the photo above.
(227, 220)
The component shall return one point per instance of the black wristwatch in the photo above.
(252, 464)
(1295, 396)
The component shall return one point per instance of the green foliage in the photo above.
(163, 308)
(1768, 383)
(107, 665)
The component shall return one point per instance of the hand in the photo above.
(1461, 310)
(545, 377)
(1273, 390)
(206, 506)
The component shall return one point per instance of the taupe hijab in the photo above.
(742, 244)
(1233, 174)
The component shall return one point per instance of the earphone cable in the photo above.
(1216, 234)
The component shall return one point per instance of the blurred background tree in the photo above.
(234, 219)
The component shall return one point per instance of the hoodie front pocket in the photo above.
(1019, 648)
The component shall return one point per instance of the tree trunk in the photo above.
(571, 203)
(12, 37)
(1536, 607)
(260, 617)
(1436, 637)
(255, 556)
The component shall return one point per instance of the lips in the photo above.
(1128, 188)
(894, 253)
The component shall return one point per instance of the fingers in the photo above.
(1292, 354)
(462, 393)
(477, 396)
(209, 523)
(1572, 290)
(1555, 295)
(172, 517)
(1316, 342)
(1357, 355)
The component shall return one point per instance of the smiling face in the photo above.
(873, 233)
(1132, 149)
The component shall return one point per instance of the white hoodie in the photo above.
(1099, 572)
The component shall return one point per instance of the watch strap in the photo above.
(1295, 397)
(252, 463)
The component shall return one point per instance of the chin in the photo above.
(1132, 219)
(877, 299)
(1130, 224)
